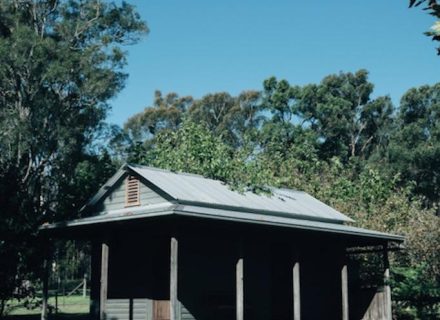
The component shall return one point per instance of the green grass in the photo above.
(69, 307)
(69, 316)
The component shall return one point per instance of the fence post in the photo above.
(45, 275)
(85, 285)
(44, 306)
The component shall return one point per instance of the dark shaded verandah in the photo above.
(180, 267)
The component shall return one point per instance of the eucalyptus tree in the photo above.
(281, 128)
(232, 117)
(61, 62)
(348, 122)
(166, 113)
(414, 150)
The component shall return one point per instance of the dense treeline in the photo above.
(61, 62)
(370, 159)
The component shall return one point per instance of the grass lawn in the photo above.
(69, 307)
(65, 316)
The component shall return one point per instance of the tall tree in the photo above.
(338, 114)
(414, 150)
(280, 100)
(228, 116)
(61, 63)
(348, 122)
(167, 112)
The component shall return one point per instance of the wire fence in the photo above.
(67, 297)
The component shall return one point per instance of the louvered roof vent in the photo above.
(132, 191)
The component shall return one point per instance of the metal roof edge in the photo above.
(145, 212)
(261, 211)
(225, 215)
(289, 222)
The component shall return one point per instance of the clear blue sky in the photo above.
(199, 47)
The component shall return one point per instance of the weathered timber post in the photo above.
(104, 281)
(95, 280)
(386, 279)
(239, 278)
(174, 307)
(296, 291)
(344, 287)
(44, 303)
(85, 285)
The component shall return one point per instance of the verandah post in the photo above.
(173, 279)
(344, 287)
(104, 281)
(296, 291)
(386, 279)
(239, 277)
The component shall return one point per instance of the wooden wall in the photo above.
(138, 275)
(116, 198)
(139, 271)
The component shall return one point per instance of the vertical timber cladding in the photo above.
(138, 277)
(207, 277)
(321, 281)
(118, 197)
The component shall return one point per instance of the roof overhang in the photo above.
(173, 209)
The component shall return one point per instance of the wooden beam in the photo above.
(387, 288)
(296, 292)
(375, 250)
(174, 303)
(239, 277)
(344, 287)
(104, 281)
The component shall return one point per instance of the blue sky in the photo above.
(197, 47)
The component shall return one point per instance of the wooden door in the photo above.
(161, 310)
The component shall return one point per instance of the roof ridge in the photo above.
(169, 171)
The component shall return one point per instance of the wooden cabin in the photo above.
(180, 246)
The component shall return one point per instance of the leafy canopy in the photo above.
(61, 63)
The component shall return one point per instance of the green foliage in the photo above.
(339, 111)
(224, 115)
(61, 62)
(166, 113)
(433, 9)
(194, 149)
(417, 297)
(414, 149)
(343, 115)
(330, 139)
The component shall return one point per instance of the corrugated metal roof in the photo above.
(189, 188)
(196, 196)
(226, 215)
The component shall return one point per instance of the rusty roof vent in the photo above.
(132, 191)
